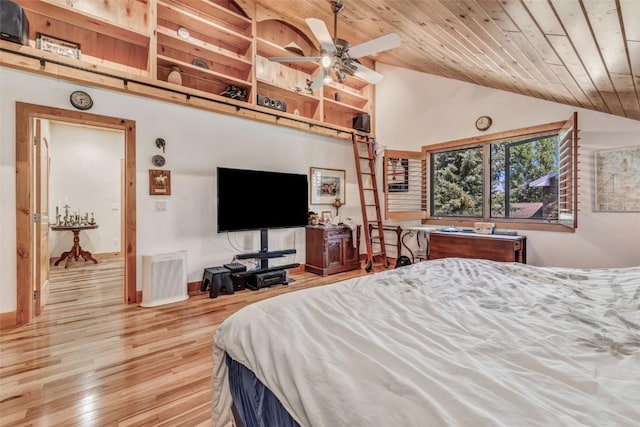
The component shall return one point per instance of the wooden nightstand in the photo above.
(330, 250)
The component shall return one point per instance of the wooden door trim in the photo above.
(24, 197)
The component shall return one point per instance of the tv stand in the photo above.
(265, 275)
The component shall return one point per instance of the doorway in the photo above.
(26, 114)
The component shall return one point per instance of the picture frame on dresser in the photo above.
(326, 217)
(327, 185)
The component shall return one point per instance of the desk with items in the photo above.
(503, 245)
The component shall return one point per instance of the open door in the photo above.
(41, 219)
(26, 248)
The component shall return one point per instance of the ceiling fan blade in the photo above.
(294, 59)
(367, 74)
(320, 31)
(318, 81)
(376, 45)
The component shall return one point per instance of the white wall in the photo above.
(86, 171)
(415, 109)
(197, 142)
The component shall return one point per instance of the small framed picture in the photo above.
(327, 185)
(159, 182)
(58, 46)
(326, 217)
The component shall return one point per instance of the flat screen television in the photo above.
(255, 200)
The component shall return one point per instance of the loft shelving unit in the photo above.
(224, 46)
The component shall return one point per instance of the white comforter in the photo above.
(452, 342)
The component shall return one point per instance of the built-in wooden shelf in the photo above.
(98, 17)
(222, 46)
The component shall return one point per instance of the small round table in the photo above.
(76, 250)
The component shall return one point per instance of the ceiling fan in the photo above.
(337, 56)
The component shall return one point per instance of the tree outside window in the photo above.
(524, 178)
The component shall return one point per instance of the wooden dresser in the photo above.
(483, 246)
(330, 250)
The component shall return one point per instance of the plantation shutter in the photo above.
(568, 173)
(405, 185)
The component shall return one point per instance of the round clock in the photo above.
(81, 100)
(483, 123)
(158, 160)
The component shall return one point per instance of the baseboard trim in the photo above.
(8, 319)
(99, 257)
(107, 255)
(193, 287)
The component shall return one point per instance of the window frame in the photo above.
(568, 132)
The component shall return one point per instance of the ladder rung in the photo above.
(378, 253)
(365, 173)
(366, 158)
(368, 189)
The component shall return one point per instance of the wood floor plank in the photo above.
(89, 359)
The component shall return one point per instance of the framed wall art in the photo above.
(617, 186)
(159, 182)
(57, 46)
(327, 185)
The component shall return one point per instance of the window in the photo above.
(457, 178)
(523, 174)
(524, 178)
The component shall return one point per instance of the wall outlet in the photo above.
(161, 206)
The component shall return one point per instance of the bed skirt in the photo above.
(254, 403)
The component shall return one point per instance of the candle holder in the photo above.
(337, 203)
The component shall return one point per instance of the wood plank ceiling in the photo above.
(584, 53)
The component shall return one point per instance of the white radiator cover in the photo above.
(164, 278)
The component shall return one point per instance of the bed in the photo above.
(450, 342)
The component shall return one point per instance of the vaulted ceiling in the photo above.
(584, 53)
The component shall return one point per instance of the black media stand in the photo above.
(265, 275)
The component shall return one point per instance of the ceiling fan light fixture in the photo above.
(326, 60)
(327, 77)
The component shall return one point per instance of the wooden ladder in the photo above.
(369, 199)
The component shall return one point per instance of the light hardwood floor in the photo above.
(90, 359)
